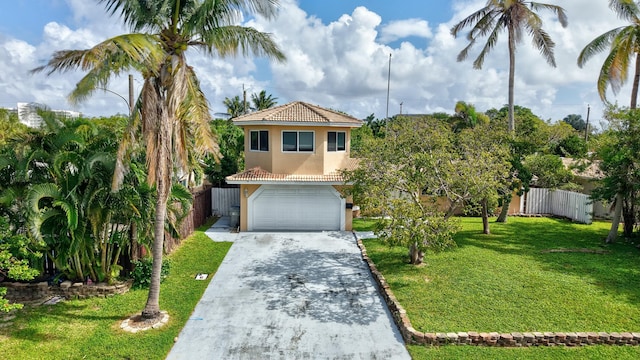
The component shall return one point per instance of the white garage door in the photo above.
(295, 208)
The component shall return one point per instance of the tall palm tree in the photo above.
(515, 16)
(263, 101)
(623, 44)
(172, 114)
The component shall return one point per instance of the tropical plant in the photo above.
(516, 17)
(466, 116)
(576, 121)
(235, 106)
(262, 101)
(13, 262)
(172, 114)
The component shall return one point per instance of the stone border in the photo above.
(514, 339)
(37, 293)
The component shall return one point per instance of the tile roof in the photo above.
(298, 112)
(258, 175)
(583, 168)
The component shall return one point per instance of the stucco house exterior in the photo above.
(293, 156)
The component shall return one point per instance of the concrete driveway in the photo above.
(291, 296)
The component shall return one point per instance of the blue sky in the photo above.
(337, 54)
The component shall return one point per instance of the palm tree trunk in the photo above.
(163, 183)
(636, 82)
(512, 74)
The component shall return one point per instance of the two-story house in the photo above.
(293, 154)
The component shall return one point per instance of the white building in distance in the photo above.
(28, 114)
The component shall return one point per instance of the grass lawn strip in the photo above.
(510, 281)
(90, 328)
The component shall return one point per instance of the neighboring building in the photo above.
(28, 114)
(294, 154)
(587, 174)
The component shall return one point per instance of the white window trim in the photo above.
(269, 140)
(298, 142)
(345, 141)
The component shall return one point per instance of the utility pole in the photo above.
(401, 107)
(388, 85)
(244, 100)
(586, 130)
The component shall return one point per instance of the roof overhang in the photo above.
(295, 123)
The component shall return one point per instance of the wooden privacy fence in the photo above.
(224, 199)
(198, 215)
(575, 206)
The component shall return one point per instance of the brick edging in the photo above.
(513, 339)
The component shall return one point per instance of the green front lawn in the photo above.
(511, 282)
(89, 329)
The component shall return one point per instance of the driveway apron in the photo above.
(291, 296)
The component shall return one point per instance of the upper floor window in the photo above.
(298, 141)
(336, 141)
(259, 140)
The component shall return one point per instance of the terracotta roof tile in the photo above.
(258, 175)
(298, 111)
(583, 168)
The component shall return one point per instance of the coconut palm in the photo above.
(623, 44)
(235, 106)
(263, 101)
(172, 114)
(516, 17)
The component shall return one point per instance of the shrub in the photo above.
(141, 273)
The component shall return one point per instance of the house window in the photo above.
(336, 141)
(297, 141)
(259, 140)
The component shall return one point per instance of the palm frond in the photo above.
(598, 45)
(231, 40)
(625, 9)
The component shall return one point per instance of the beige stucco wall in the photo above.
(276, 161)
(250, 189)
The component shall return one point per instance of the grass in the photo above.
(508, 282)
(89, 329)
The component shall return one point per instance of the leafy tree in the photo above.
(231, 141)
(549, 171)
(482, 172)
(516, 17)
(13, 265)
(571, 146)
(172, 113)
(576, 121)
(235, 106)
(394, 173)
(262, 101)
(620, 162)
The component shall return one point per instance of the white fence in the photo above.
(223, 198)
(575, 206)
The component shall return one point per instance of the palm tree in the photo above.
(623, 44)
(516, 16)
(235, 106)
(263, 101)
(172, 114)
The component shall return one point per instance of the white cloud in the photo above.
(401, 29)
(342, 63)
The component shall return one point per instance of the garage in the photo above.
(297, 208)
